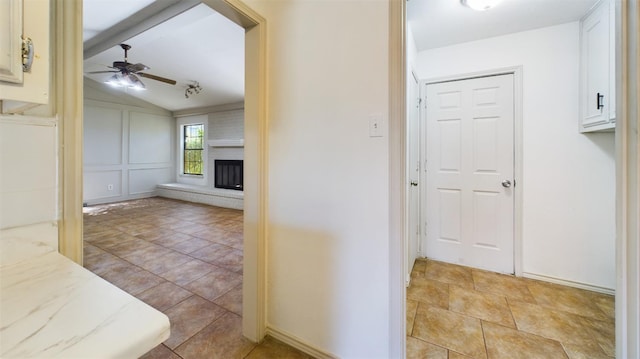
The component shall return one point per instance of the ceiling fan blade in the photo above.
(101, 72)
(137, 67)
(157, 78)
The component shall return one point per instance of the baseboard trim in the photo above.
(298, 343)
(569, 283)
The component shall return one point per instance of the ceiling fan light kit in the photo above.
(480, 5)
(129, 81)
(126, 74)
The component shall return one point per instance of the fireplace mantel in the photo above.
(226, 143)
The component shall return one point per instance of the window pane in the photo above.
(193, 148)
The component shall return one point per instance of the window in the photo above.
(193, 142)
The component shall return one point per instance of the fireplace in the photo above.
(229, 174)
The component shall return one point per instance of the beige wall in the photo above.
(328, 228)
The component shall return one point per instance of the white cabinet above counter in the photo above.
(597, 68)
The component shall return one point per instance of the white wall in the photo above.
(328, 231)
(28, 178)
(569, 178)
(129, 147)
(28, 170)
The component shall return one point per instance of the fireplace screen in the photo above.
(229, 174)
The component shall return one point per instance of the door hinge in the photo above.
(27, 54)
(418, 229)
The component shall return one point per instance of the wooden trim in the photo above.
(298, 343)
(397, 177)
(627, 22)
(254, 295)
(68, 95)
(209, 109)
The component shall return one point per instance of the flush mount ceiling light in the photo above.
(480, 5)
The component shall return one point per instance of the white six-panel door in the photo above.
(470, 172)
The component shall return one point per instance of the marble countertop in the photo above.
(50, 307)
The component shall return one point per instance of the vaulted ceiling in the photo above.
(181, 40)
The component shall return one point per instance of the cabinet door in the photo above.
(10, 41)
(595, 101)
(34, 85)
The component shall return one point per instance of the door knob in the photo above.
(506, 183)
(414, 183)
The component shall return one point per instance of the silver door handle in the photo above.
(506, 183)
(414, 183)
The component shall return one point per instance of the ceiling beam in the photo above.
(152, 15)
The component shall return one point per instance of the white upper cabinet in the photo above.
(597, 61)
(26, 20)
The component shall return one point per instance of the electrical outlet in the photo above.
(110, 187)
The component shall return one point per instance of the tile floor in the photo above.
(185, 260)
(459, 312)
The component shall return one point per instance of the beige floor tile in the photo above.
(189, 317)
(221, 339)
(450, 330)
(211, 252)
(412, 308)
(232, 261)
(215, 283)
(429, 291)
(508, 343)
(567, 299)
(136, 282)
(231, 300)
(502, 284)
(455, 355)
(604, 333)
(160, 352)
(449, 273)
(552, 324)
(187, 272)
(485, 306)
(164, 296)
(171, 239)
(105, 262)
(418, 349)
(606, 303)
(190, 245)
(272, 348)
(165, 263)
(585, 351)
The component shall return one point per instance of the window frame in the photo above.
(184, 149)
(192, 179)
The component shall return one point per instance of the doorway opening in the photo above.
(253, 319)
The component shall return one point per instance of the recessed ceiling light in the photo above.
(480, 5)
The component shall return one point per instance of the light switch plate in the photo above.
(376, 125)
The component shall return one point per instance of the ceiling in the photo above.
(437, 23)
(187, 41)
(181, 40)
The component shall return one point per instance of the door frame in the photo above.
(516, 71)
(412, 74)
(67, 88)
